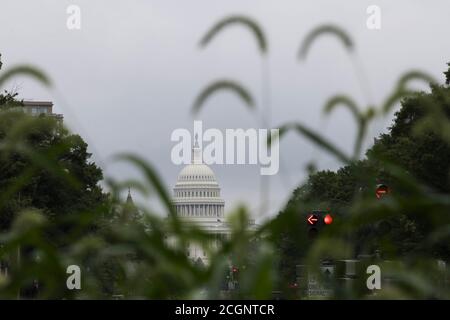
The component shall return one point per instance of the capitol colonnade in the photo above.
(200, 210)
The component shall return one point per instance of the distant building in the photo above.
(37, 108)
(130, 213)
(197, 201)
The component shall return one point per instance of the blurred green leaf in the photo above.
(223, 85)
(412, 76)
(315, 138)
(24, 71)
(239, 20)
(322, 30)
(152, 178)
(345, 102)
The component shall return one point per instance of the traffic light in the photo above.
(235, 277)
(316, 220)
(381, 190)
(328, 219)
(234, 272)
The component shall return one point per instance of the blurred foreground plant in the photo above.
(126, 251)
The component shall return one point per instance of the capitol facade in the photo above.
(197, 200)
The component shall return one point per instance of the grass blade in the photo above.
(26, 71)
(223, 85)
(247, 22)
(324, 30)
(316, 139)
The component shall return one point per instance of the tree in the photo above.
(424, 154)
(447, 75)
(59, 196)
(43, 166)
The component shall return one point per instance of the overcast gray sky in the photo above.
(128, 78)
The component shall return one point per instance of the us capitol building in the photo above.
(197, 200)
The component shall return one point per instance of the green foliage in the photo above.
(447, 75)
(223, 85)
(60, 180)
(54, 214)
(425, 153)
(244, 21)
(23, 70)
(415, 165)
(315, 138)
(361, 118)
(401, 89)
(322, 30)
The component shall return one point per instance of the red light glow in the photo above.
(328, 219)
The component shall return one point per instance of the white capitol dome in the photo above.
(197, 200)
(197, 194)
(194, 174)
(196, 197)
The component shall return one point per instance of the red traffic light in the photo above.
(312, 219)
(328, 219)
(381, 191)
